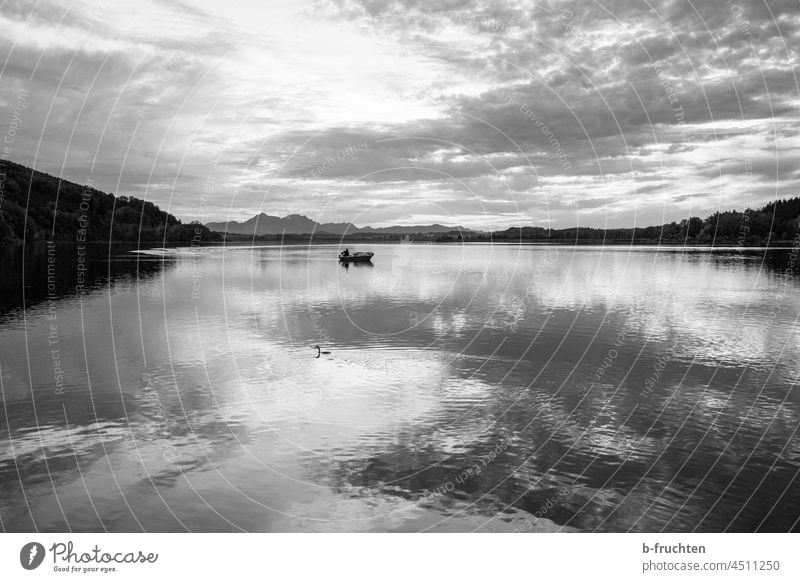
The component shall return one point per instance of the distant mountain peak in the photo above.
(263, 223)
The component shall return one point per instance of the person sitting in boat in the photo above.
(345, 253)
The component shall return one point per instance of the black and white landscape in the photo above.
(580, 313)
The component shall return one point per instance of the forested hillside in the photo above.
(37, 206)
(774, 223)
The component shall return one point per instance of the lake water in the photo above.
(468, 387)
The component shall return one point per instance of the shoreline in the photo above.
(782, 245)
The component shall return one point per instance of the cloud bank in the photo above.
(484, 114)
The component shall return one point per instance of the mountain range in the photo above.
(263, 223)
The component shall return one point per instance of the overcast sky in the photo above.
(481, 114)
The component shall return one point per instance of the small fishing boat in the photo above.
(355, 257)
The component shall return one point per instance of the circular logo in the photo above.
(31, 555)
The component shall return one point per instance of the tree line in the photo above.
(35, 206)
(776, 222)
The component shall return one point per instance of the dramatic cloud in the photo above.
(485, 114)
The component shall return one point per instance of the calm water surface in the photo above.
(477, 387)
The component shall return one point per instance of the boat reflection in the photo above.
(356, 264)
